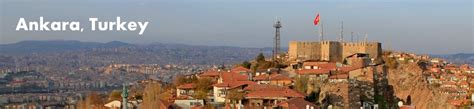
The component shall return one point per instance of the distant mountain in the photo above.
(62, 52)
(459, 58)
(28, 47)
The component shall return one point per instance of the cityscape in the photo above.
(202, 65)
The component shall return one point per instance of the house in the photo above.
(341, 77)
(314, 73)
(240, 70)
(458, 102)
(185, 89)
(358, 59)
(263, 87)
(449, 84)
(274, 79)
(464, 84)
(214, 74)
(187, 103)
(297, 103)
(433, 80)
(319, 65)
(231, 76)
(117, 104)
(220, 90)
(355, 72)
(407, 107)
(270, 97)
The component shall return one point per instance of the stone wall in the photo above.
(331, 50)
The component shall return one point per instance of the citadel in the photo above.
(333, 51)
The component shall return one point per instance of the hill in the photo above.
(459, 58)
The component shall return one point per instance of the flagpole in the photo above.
(320, 28)
(321, 34)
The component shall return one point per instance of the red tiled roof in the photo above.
(234, 84)
(262, 77)
(272, 77)
(458, 102)
(255, 87)
(280, 77)
(348, 68)
(322, 65)
(339, 76)
(297, 103)
(210, 73)
(186, 86)
(449, 83)
(313, 71)
(231, 76)
(465, 67)
(463, 83)
(267, 93)
(240, 69)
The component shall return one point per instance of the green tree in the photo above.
(260, 57)
(246, 64)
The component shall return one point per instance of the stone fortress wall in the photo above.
(333, 51)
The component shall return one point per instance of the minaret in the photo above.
(124, 97)
(276, 47)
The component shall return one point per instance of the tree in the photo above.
(408, 100)
(281, 66)
(204, 84)
(260, 57)
(234, 96)
(115, 95)
(246, 64)
(181, 79)
(203, 87)
(301, 84)
(313, 96)
(151, 95)
(391, 62)
(92, 101)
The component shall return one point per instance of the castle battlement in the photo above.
(331, 50)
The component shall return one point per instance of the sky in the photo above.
(418, 26)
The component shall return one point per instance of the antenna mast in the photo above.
(352, 36)
(276, 48)
(365, 39)
(341, 38)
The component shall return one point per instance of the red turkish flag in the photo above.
(316, 20)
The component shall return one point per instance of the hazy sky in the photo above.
(420, 26)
